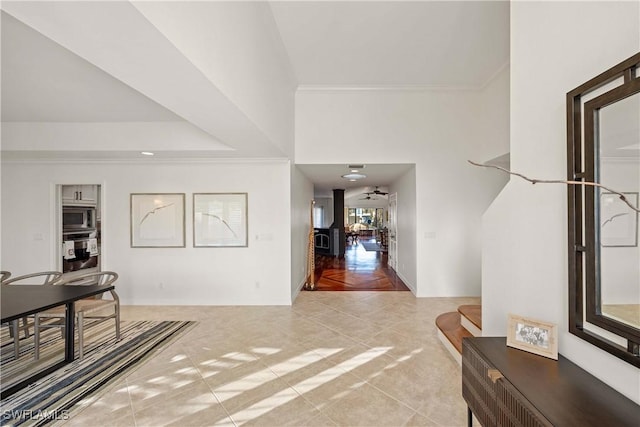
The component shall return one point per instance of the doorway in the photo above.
(366, 262)
(78, 235)
(368, 193)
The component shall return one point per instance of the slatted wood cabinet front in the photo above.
(504, 386)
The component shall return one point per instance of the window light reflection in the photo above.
(256, 379)
(262, 407)
(266, 350)
(242, 357)
(178, 358)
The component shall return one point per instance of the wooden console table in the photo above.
(505, 386)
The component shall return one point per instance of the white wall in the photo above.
(438, 131)
(555, 46)
(494, 119)
(405, 189)
(301, 197)
(1, 199)
(258, 274)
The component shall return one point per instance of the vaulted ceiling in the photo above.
(108, 62)
(459, 44)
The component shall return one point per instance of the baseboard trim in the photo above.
(296, 291)
(410, 285)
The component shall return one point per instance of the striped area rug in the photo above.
(106, 360)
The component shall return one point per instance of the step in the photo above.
(451, 333)
(472, 318)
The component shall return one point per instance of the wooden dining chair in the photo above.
(95, 308)
(40, 278)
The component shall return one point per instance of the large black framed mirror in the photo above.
(603, 146)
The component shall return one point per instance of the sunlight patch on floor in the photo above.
(258, 409)
(278, 399)
(178, 358)
(241, 357)
(268, 351)
(215, 363)
(256, 379)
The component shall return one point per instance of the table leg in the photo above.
(469, 417)
(69, 333)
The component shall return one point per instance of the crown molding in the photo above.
(142, 161)
(384, 88)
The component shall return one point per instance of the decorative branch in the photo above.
(559, 181)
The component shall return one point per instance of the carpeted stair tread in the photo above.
(473, 313)
(449, 324)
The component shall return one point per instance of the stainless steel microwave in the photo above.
(78, 218)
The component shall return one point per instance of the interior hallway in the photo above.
(359, 270)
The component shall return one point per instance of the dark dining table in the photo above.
(18, 301)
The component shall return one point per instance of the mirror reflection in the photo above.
(619, 169)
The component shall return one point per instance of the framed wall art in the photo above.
(618, 222)
(157, 220)
(533, 336)
(220, 220)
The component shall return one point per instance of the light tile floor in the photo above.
(331, 359)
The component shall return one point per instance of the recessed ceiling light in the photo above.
(353, 180)
(354, 176)
(147, 153)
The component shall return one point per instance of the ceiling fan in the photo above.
(368, 198)
(377, 192)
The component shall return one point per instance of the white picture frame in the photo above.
(534, 336)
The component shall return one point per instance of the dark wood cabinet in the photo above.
(505, 386)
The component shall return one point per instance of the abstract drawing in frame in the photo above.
(618, 222)
(157, 220)
(220, 220)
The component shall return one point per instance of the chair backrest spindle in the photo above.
(94, 278)
(39, 278)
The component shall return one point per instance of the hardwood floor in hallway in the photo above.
(359, 270)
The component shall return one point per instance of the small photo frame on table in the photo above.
(618, 222)
(220, 220)
(157, 220)
(532, 335)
